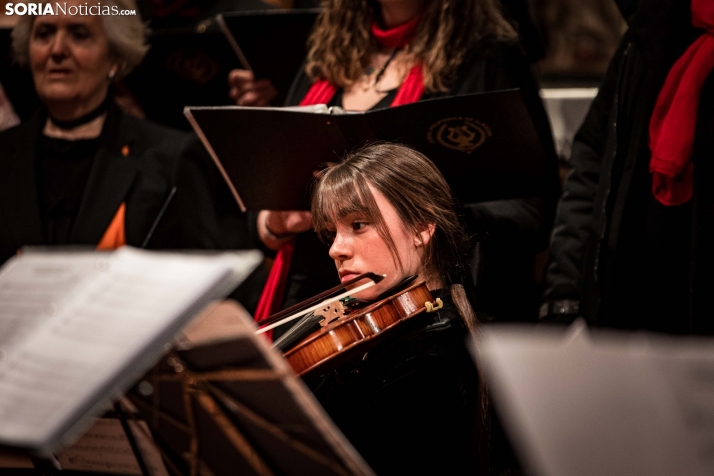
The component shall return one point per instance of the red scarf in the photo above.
(321, 92)
(674, 117)
(411, 90)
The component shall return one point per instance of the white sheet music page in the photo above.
(84, 325)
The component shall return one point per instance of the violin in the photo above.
(346, 333)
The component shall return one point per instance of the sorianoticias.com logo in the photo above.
(61, 8)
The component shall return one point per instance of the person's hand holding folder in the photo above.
(276, 227)
(245, 90)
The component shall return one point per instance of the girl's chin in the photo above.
(368, 294)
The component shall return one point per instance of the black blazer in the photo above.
(142, 179)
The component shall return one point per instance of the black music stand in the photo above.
(226, 401)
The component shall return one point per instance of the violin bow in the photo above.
(320, 300)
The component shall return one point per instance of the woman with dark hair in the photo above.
(411, 405)
(367, 54)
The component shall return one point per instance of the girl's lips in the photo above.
(347, 277)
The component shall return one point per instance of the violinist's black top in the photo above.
(410, 405)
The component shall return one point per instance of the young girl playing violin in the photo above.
(411, 404)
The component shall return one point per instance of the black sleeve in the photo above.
(203, 214)
(301, 84)
(523, 222)
(573, 223)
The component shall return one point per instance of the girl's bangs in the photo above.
(338, 195)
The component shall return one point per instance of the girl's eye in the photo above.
(359, 225)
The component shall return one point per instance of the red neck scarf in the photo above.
(412, 88)
(321, 92)
(674, 117)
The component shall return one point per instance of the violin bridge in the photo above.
(331, 312)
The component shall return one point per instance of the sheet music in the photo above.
(29, 294)
(102, 317)
(104, 447)
(603, 402)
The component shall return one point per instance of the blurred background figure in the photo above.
(631, 246)
(581, 37)
(182, 13)
(8, 115)
(8, 118)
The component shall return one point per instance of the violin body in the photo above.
(358, 331)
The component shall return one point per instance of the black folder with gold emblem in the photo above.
(485, 145)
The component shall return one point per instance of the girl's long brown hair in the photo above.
(340, 47)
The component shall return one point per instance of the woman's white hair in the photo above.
(126, 35)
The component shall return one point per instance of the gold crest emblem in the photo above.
(464, 134)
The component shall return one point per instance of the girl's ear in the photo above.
(424, 234)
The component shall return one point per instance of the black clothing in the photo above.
(67, 192)
(517, 229)
(409, 406)
(630, 261)
(383, 103)
(63, 168)
(204, 215)
(142, 179)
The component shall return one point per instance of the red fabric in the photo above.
(411, 90)
(272, 296)
(674, 117)
(321, 92)
(397, 37)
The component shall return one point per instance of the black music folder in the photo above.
(485, 145)
(271, 43)
(183, 66)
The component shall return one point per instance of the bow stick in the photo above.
(324, 298)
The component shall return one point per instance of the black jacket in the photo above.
(201, 214)
(629, 261)
(142, 179)
(516, 229)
